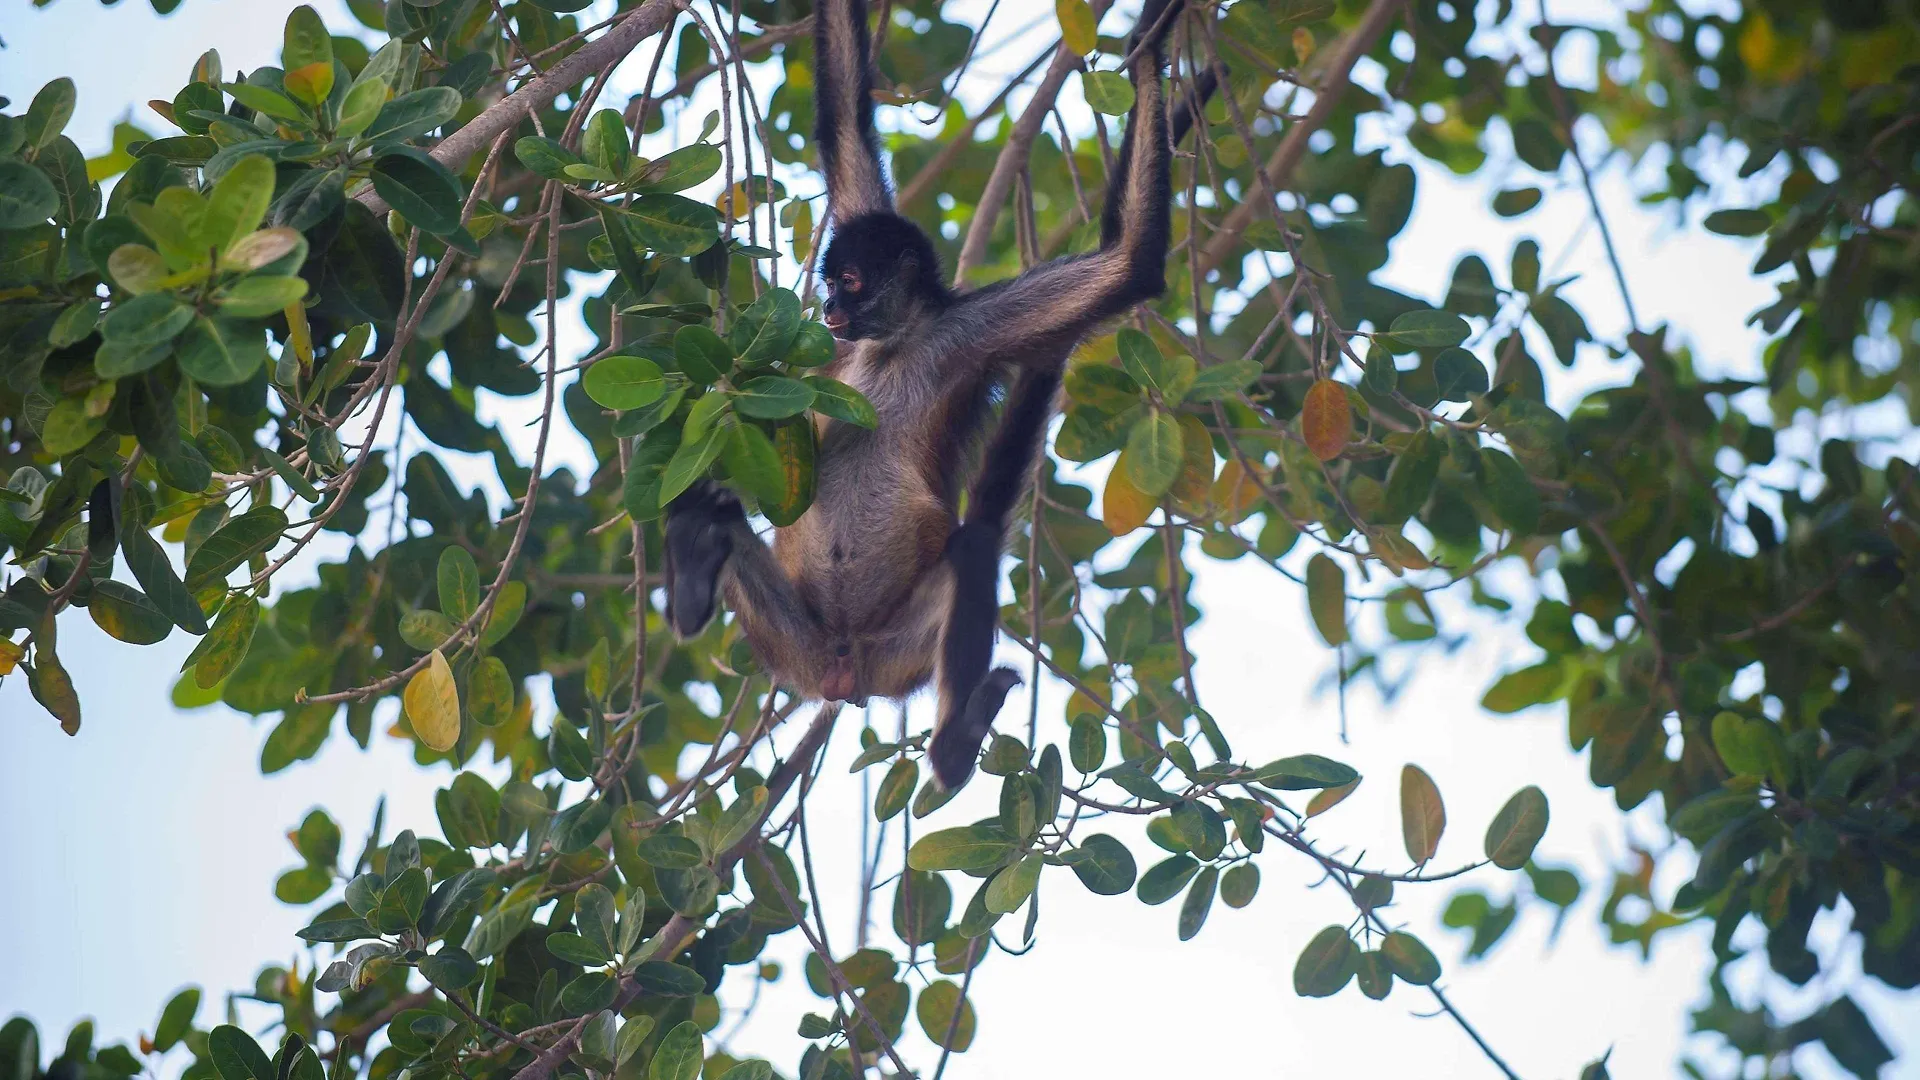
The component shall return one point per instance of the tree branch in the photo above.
(1338, 74)
(1014, 155)
(649, 19)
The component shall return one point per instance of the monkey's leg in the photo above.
(711, 549)
(970, 694)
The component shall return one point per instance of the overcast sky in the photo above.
(141, 855)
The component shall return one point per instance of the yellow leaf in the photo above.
(433, 704)
(1077, 25)
(10, 655)
(1123, 506)
(299, 335)
(1302, 44)
(1422, 817)
(1195, 481)
(1326, 420)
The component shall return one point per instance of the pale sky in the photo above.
(141, 855)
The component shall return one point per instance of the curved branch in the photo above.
(647, 20)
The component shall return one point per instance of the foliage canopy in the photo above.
(215, 339)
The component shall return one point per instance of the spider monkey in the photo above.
(881, 586)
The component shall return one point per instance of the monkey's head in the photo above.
(880, 271)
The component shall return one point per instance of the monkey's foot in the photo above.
(956, 744)
(699, 539)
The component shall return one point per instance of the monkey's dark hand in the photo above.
(699, 539)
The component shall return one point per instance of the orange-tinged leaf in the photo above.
(1422, 816)
(1236, 493)
(1327, 798)
(1326, 420)
(433, 704)
(1123, 506)
(1302, 44)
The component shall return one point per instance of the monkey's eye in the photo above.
(850, 281)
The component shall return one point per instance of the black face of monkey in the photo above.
(880, 271)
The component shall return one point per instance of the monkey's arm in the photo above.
(843, 111)
(1034, 317)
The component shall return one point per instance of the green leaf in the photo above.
(672, 224)
(226, 644)
(680, 169)
(545, 157)
(690, 462)
(1087, 743)
(1221, 381)
(176, 1019)
(837, 400)
(1239, 884)
(413, 114)
(153, 319)
(26, 195)
(1152, 460)
(668, 980)
(1107, 92)
(1517, 201)
(125, 613)
(896, 788)
(624, 382)
(946, 1016)
(773, 397)
(1427, 330)
(1738, 222)
(766, 329)
(1164, 880)
(238, 202)
(363, 102)
(458, 578)
(241, 538)
(1326, 964)
(220, 352)
(1517, 828)
(1510, 490)
(236, 1056)
(1459, 374)
(421, 189)
(1410, 959)
(452, 968)
(47, 116)
(701, 355)
(1381, 376)
(1199, 901)
(1523, 689)
(671, 851)
(507, 609)
(151, 568)
(575, 949)
(813, 346)
(261, 295)
(604, 141)
(739, 820)
(296, 482)
(969, 847)
(679, 1056)
(490, 692)
(1011, 887)
(1142, 360)
(1304, 772)
(1327, 598)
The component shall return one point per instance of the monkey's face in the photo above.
(879, 272)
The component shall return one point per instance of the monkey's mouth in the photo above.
(836, 321)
